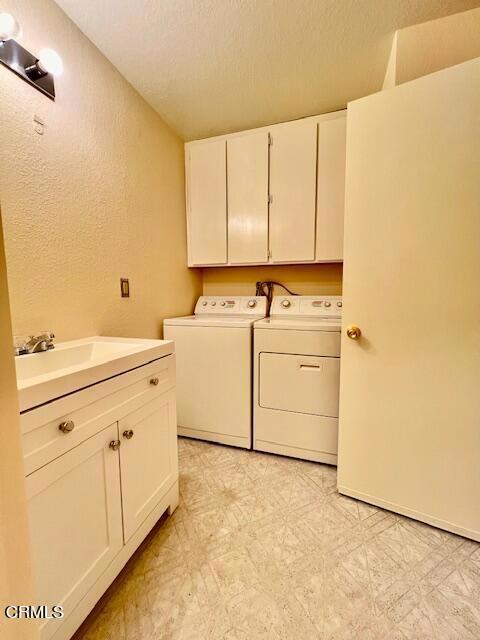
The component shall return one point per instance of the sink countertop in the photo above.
(70, 366)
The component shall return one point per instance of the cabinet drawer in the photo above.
(90, 410)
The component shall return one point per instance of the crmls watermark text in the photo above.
(41, 611)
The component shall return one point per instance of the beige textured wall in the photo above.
(99, 196)
(15, 567)
(434, 45)
(303, 279)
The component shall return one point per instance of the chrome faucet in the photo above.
(35, 344)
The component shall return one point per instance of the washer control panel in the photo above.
(313, 306)
(234, 305)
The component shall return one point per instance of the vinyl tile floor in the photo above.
(264, 547)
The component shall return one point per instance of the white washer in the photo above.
(214, 368)
(297, 378)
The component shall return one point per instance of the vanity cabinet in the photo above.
(273, 195)
(75, 513)
(148, 436)
(101, 469)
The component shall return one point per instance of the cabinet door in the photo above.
(74, 508)
(332, 134)
(247, 161)
(293, 168)
(148, 458)
(207, 203)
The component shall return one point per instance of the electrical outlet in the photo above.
(125, 287)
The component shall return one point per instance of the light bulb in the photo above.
(9, 27)
(50, 61)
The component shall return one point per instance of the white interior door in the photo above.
(293, 171)
(207, 203)
(247, 162)
(409, 436)
(332, 140)
(148, 458)
(75, 517)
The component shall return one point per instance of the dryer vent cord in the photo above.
(266, 289)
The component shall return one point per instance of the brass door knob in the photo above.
(353, 332)
(66, 426)
(128, 434)
(115, 445)
(154, 381)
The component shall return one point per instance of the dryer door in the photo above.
(302, 384)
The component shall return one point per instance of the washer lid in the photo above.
(230, 322)
(299, 323)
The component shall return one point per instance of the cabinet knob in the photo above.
(154, 381)
(66, 426)
(353, 332)
(128, 434)
(115, 445)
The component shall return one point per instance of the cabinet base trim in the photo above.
(72, 622)
(295, 452)
(411, 513)
(211, 436)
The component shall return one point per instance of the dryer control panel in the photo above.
(233, 305)
(307, 306)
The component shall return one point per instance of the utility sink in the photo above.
(70, 366)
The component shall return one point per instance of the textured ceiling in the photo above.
(216, 66)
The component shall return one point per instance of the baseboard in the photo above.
(411, 513)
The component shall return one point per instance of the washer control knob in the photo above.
(339, 303)
(204, 303)
(213, 303)
(286, 304)
(252, 303)
(223, 304)
(327, 303)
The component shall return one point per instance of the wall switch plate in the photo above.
(125, 287)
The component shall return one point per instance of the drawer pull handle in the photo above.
(66, 426)
(128, 434)
(115, 445)
(154, 381)
(310, 367)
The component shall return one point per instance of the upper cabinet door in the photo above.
(331, 187)
(293, 165)
(207, 203)
(247, 161)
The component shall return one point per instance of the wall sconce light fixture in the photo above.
(37, 71)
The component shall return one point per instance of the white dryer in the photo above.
(214, 368)
(297, 378)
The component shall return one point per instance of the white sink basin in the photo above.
(42, 377)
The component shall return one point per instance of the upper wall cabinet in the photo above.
(271, 195)
(206, 171)
(332, 134)
(247, 180)
(293, 159)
